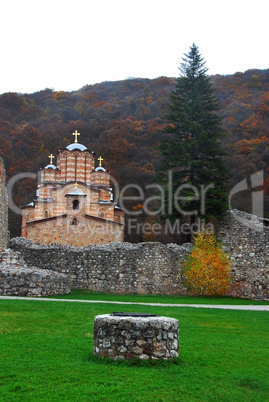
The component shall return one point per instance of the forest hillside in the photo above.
(121, 121)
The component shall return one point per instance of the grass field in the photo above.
(46, 355)
(175, 299)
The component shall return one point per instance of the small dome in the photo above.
(76, 145)
(100, 168)
(50, 167)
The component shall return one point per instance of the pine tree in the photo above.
(191, 147)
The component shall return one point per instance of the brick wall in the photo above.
(87, 230)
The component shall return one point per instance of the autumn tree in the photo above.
(191, 148)
(207, 268)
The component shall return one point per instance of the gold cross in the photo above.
(100, 159)
(76, 135)
(51, 157)
(76, 186)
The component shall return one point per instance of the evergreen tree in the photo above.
(191, 148)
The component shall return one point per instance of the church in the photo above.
(74, 202)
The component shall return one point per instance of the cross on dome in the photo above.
(51, 157)
(100, 159)
(76, 135)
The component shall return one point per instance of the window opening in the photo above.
(75, 204)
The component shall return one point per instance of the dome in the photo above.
(100, 168)
(76, 145)
(50, 167)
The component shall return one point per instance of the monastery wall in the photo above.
(4, 234)
(245, 238)
(143, 268)
(153, 268)
(18, 279)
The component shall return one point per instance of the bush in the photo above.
(207, 268)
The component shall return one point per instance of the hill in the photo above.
(121, 121)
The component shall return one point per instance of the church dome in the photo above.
(76, 145)
(100, 168)
(50, 166)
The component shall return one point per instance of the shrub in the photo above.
(207, 268)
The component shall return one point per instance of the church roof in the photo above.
(76, 145)
(76, 192)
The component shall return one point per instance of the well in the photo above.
(129, 335)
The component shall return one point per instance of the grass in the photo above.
(174, 299)
(46, 355)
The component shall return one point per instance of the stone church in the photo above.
(74, 202)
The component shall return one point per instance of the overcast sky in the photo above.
(64, 45)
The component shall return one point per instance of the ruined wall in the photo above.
(17, 279)
(246, 238)
(155, 268)
(4, 235)
(118, 267)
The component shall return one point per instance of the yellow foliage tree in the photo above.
(207, 268)
(59, 95)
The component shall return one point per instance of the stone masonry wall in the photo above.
(4, 235)
(246, 238)
(127, 337)
(17, 279)
(118, 267)
(155, 268)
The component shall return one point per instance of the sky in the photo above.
(65, 45)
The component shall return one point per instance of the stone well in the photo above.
(129, 335)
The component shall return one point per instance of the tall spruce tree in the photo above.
(191, 148)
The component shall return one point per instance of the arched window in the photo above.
(46, 214)
(30, 217)
(74, 222)
(116, 218)
(75, 204)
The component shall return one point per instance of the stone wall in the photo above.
(4, 235)
(246, 238)
(155, 268)
(17, 279)
(118, 267)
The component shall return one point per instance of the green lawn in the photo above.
(175, 299)
(46, 355)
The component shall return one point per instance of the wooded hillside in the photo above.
(121, 121)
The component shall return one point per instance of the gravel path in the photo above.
(218, 306)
